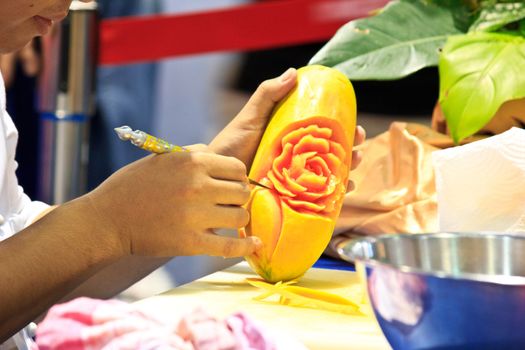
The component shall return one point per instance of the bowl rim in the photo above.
(345, 251)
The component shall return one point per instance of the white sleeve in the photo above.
(16, 209)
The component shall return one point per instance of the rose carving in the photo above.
(307, 172)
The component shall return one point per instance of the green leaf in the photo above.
(403, 38)
(498, 16)
(478, 73)
(464, 11)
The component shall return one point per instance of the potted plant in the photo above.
(478, 46)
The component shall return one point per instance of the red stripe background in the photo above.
(249, 27)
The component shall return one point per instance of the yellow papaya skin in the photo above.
(304, 157)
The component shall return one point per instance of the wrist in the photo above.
(102, 227)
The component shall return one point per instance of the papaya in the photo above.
(304, 159)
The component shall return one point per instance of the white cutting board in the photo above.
(227, 291)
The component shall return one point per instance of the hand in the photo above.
(167, 205)
(241, 137)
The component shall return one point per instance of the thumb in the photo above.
(268, 94)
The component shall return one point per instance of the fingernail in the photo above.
(258, 243)
(287, 75)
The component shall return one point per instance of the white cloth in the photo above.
(481, 186)
(16, 209)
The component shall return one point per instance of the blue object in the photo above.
(445, 291)
(77, 118)
(326, 262)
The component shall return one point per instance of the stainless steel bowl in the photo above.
(446, 290)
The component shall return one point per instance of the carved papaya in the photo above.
(304, 157)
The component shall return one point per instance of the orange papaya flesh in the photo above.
(304, 157)
(293, 254)
(312, 174)
(268, 205)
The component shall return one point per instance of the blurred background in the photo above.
(187, 100)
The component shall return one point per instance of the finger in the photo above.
(228, 247)
(231, 192)
(224, 216)
(350, 187)
(357, 157)
(360, 135)
(225, 168)
(268, 94)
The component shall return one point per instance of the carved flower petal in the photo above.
(279, 186)
(294, 136)
(310, 196)
(297, 204)
(332, 161)
(314, 168)
(310, 143)
(327, 191)
(337, 150)
(318, 166)
(306, 172)
(338, 191)
(333, 182)
(282, 161)
(299, 163)
(291, 184)
(313, 182)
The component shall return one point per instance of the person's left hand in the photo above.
(241, 137)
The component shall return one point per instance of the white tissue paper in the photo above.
(481, 186)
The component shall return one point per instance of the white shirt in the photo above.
(16, 209)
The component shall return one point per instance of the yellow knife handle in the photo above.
(156, 145)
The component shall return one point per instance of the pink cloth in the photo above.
(85, 323)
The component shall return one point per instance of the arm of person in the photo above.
(48, 259)
(112, 278)
(239, 139)
(144, 209)
(242, 135)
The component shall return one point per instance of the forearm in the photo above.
(44, 213)
(115, 278)
(47, 260)
(112, 280)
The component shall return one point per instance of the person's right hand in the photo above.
(168, 205)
